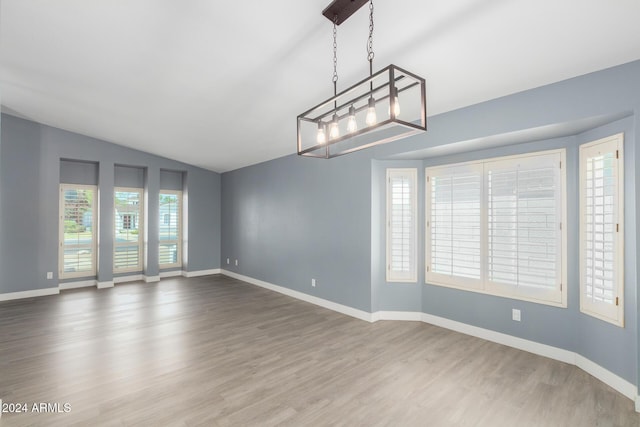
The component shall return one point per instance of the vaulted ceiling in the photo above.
(219, 84)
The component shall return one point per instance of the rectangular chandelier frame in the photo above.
(408, 90)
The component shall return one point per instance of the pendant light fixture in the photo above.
(367, 113)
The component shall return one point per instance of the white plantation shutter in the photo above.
(77, 231)
(524, 220)
(495, 226)
(601, 219)
(128, 230)
(401, 225)
(454, 225)
(170, 229)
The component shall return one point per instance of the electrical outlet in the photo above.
(313, 282)
(236, 263)
(49, 275)
(227, 261)
(515, 314)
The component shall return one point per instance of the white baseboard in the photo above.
(349, 311)
(174, 273)
(504, 339)
(125, 279)
(165, 274)
(201, 272)
(104, 285)
(607, 377)
(411, 316)
(29, 294)
(619, 384)
(612, 380)
(77, 285)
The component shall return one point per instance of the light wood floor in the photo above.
(215, 351)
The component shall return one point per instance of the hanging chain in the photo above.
(370, 54)
(335, 54)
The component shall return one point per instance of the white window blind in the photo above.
(495, 226)
(77, 231)
(454, 224)
(401, 225)
(524, 226)
(170, 229)
(128, 229)
(601, 237)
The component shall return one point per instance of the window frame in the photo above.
(179, 221)
(140, 223)
(611, 314)
(411, 276)
(483, 285)
(62, 274)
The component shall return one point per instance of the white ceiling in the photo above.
(219, 84)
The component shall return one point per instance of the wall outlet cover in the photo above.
(515, 314)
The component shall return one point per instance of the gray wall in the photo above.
(20, 218)
(30, 168)
(129, 176)
(75, 172)
(171, 180)
(292, 219)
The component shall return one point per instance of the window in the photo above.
(128, 229)
(601, 222)
(401, 225)
(170, 250)
(77, 231)
(495, 226)
(455, 195)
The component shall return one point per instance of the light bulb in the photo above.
(334, 130)
(371, 118)
(321, 137)
(394, 104)
(352, 125)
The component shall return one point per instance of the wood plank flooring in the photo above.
(214, 351)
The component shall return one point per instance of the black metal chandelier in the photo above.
(367, 113)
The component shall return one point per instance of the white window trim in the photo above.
(61, 246)
(141, 233)
(178, 242)
(412, 276)
(482, 286)
(611, 314)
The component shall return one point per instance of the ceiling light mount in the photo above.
(367, 113)
(340, 10)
